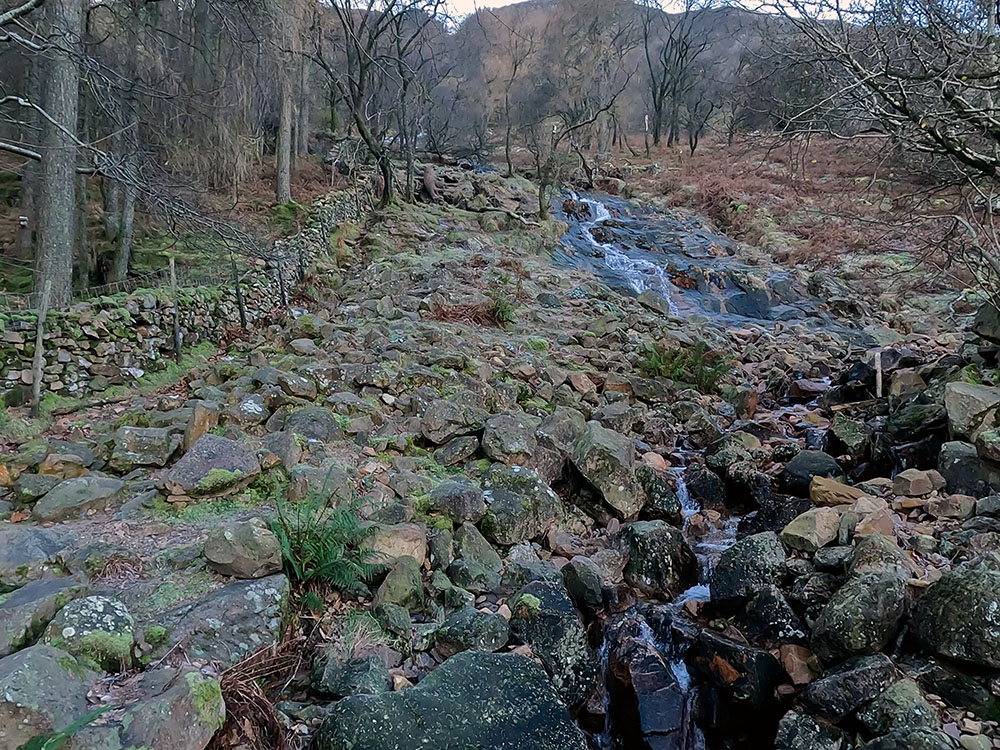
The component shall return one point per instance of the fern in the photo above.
(696, 366)
(57, 740)
(500, 308)
(321, 543)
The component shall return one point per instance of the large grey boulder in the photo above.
(510, 438)
(959, 613)
(660, 562)
(849, 685)
(143, 447)
(469, 629)
(244, 549)
(228, 624)
(28, 552)
(543, 617)
(42, 689)
(97, 630)
(605, 459)
(520, 506)
(179, 710)
(444, 419)
(747, 567)
(970, 407)
(24, 613)
(73, 497)
(214, 466)
(862, 617)
(474, 699)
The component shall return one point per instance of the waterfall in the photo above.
(639, 273)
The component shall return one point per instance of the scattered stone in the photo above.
(861, 618)
(469, 629)
(660, 564)
(747, 567)
(798, 473)
(335, 676)
(824, 491)
(605, 459)
(73, 497)
(97, 630)
(214, 466)
(245, 549)
(812, 530)
(26, 612)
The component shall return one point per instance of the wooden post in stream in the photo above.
(38, 362)
(878, 374)
(177, 311)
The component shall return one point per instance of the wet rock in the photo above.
(798, 731)
(799, 472)
(402, 586)
(775, 514)
(562, 429)
(957, 615)
(243, 549)
(73, 497)
(705, 485)
(214, 466)
(42, 690)
(811, 530)
(474, 577)
(446, 419)
(605, 459)
(229, 624)
(660, 564)
(746, 568)
(879, 554)
(987, 322)
(520, 506)
(338, 676)
(472, 546)
(474, 699)
(861, 618)
(901, 706)
(907, 739)
(143, 446)
(543, 617)
(471, 630)
(850, 685)
(26, 612)
(914, 483)
(744, 677)
(970, 407)
(769, 620)
(97, 630)
(662, 503)
(510, 438)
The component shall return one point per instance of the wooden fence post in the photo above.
(38, 363)
(177, 311)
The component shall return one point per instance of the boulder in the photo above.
(97, 630)
(469, 629)
(243, 549)
(824, 491)
(747, 567)
(798, 473)
(798, 731)
(543, 617)
(474, 699)
(179, 710)
(662, 503)
(472, 546)
(605, 459)
(42, 690)
(965, 472)
(970, 407)
(458, 499)
(311, 423)
(143, 446)
(338, 676)
(660, 564)
(457, 450)
(214, 466)
(228, 624)
(957, 616)
(510, 438)
(392, 541)
(849, 685)
(27, 552)
(73, 497)
(403, 586)
(812, 530)
(520, 506)
(26, 612)
(743, 676)
(914, 483)
(862, 617)
(582, 579)
(901, 706)
(204, 418)
(445, 419)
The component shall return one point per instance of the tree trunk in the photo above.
(81, 269)
(302, 128)
(283, 150)
(57, 210)
(124, 252)
(29, 172)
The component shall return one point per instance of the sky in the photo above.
(461, 7)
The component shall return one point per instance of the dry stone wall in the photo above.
(118, 339)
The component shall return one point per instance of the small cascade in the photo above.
(640, 274)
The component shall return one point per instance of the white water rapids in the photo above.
(639, 273)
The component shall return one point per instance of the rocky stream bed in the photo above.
(576, 551)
